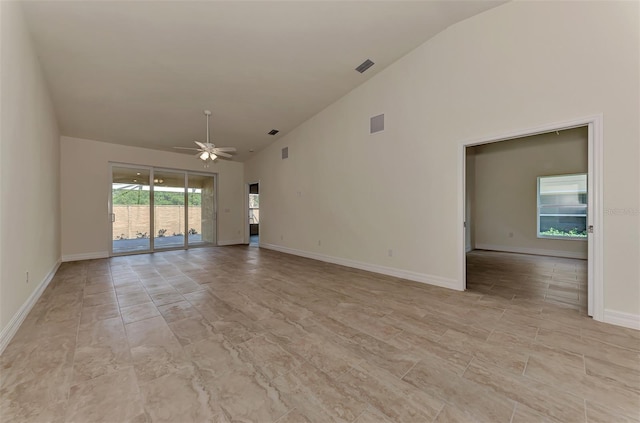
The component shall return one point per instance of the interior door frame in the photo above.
(595, 249)
(247, 227)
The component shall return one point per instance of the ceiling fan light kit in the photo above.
(208, 152)
(206, 155)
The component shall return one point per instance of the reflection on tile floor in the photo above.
(245, 334)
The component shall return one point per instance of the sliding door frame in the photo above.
(215, 207)
(111, 215)
(152, 169)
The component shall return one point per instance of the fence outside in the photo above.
(134, 220)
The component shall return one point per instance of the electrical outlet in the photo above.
(281, 237)
(27, 276)
(319, 242)
(390, 252)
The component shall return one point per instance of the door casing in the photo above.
(595, 253)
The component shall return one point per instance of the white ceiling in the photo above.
(141, 72)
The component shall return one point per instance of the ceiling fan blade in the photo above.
(227, 149)
(221, 154)
(201, 145)
(185, 148)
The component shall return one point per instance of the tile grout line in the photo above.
(126, 337)
(361, 413)
(285, 415)
(524, 369)
(444, 404)
(488, 336)
(513, 413)
(411, 368)
(467, 366)
(75, 347)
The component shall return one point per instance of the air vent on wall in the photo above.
(364, 66)
(376, 124)
(273, 132)
(285, 152)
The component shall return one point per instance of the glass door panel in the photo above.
(168, 209)
(130, 199)
(202, 224)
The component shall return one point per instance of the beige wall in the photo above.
(518, 66)
(86, 186)
(29, 169)
(506, 190)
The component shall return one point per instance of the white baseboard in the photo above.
(230, 242)
(534, 251)
(384, 270)
(619, 318)
(9, 331)
(86, 256)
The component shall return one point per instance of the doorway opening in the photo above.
(254, 214)
(532, 216)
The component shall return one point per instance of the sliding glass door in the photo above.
(130, 200)
(202, 222)
(156, 209)
(168, 209)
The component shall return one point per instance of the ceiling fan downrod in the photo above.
(207, 113)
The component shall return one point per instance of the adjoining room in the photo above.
(527, 218)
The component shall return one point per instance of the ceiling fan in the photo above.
(208, 151)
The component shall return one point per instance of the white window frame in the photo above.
(586, 216)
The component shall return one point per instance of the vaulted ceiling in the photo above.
(141, 72)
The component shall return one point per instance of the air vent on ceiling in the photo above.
(273, 132)
(364, 66)
(376, 124)
(285, 152)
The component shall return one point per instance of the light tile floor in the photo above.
(555, 280)
(250, 335)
